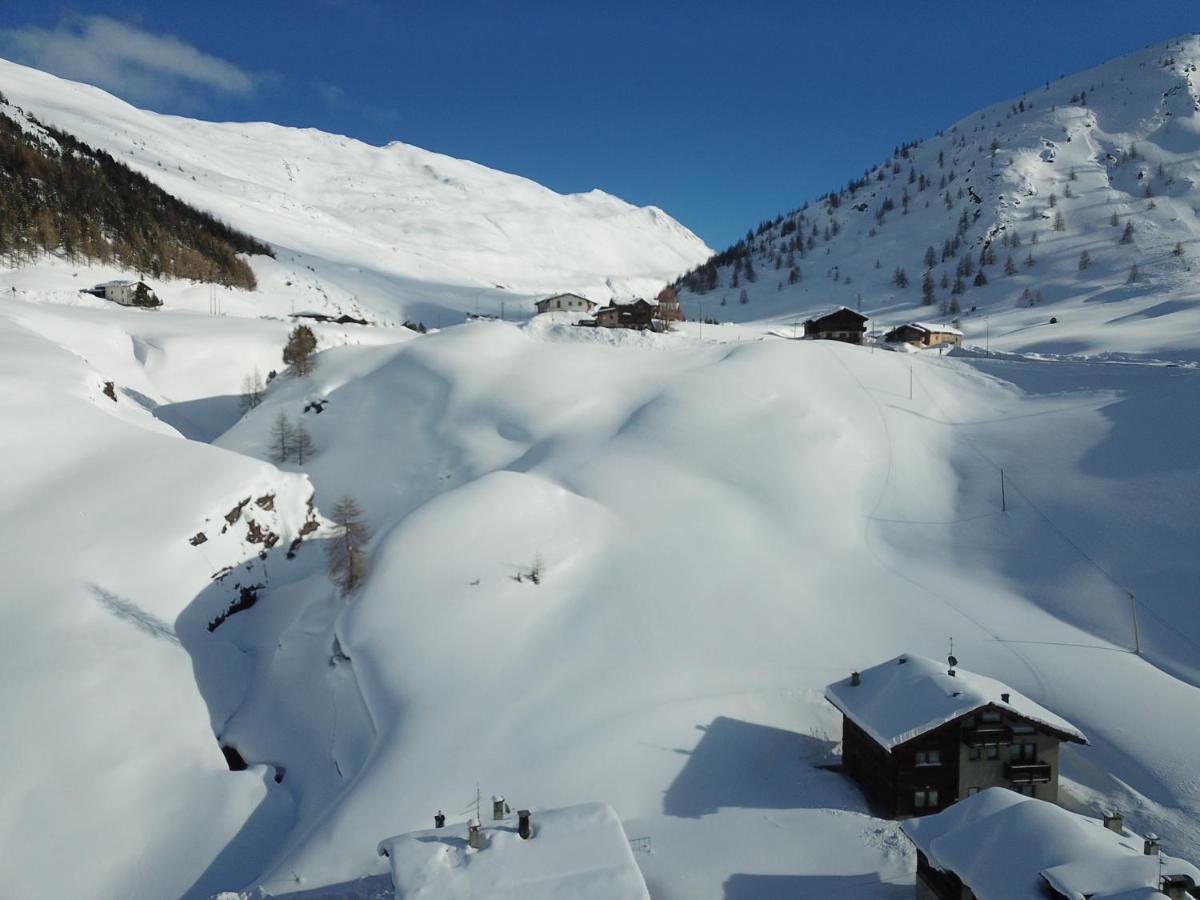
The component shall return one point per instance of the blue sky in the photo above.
(721, 113)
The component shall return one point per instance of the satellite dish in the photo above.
(953, 660)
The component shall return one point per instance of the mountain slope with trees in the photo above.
(62, 196)
(1077, 200)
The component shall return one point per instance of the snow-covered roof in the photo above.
(1003, 845)
(907, 696)
(576, 853)
(120, 282)
(935, 329)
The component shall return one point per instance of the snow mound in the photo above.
(577, 853)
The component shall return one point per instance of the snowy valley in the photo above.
(722, 519)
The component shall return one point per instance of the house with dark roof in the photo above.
(918, 736)
(843, 324)
(638, 315)
(999, 845)
(924, 334)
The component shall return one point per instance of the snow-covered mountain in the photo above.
(725, 521)
(392, 230)
(1040, 179)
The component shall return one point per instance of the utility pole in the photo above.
(987, 337)
(1137, 638)
(1003, 497)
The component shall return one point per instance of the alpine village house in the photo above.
(843, 324)
(924, 334)
(918, 736)
(565, 302)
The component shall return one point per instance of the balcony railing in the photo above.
(987, 733)
(1027, 772)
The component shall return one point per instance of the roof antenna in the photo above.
(953, 662)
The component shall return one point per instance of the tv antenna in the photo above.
(951, 659)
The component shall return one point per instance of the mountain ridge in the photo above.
(1118, 142)
(426, 227)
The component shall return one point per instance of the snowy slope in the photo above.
(393, 228)
(1121, 140)
(718, 522)
(727, 523)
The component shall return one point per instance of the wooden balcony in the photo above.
(1027, 772)
(987, 733)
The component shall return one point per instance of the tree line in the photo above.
(59, 195)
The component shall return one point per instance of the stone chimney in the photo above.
(439, 820)
(524, 826)
(1152, 847)
(1113, 821)
(497, 807)
(1005, 697)
(474, 837)
(855, 679)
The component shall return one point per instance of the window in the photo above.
(1029, 790)
(929, 757)
(1023, 753)
(1022, 728)
(993, 751)
(990, 717)
(925, 799)
(974, 754)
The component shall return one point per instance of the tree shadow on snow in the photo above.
(743, 765)
(130, 612)
(794, 887)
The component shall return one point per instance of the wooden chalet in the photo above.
(638, 315)
(843, 324)
(924, 334)
(918, 736)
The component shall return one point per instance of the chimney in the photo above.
(474, 838)
(524, 827)
(497, 807)
(1004, 698)
(1152, 847)
(439, 820)
(1113, 821)
(855, 679)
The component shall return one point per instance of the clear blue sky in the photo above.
(721, 113)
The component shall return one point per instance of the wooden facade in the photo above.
(638, 315)
(840, 325)
(925, 335)
(985, 748)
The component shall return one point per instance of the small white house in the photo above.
(566, 303)
(575, 853)
(127, 293)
